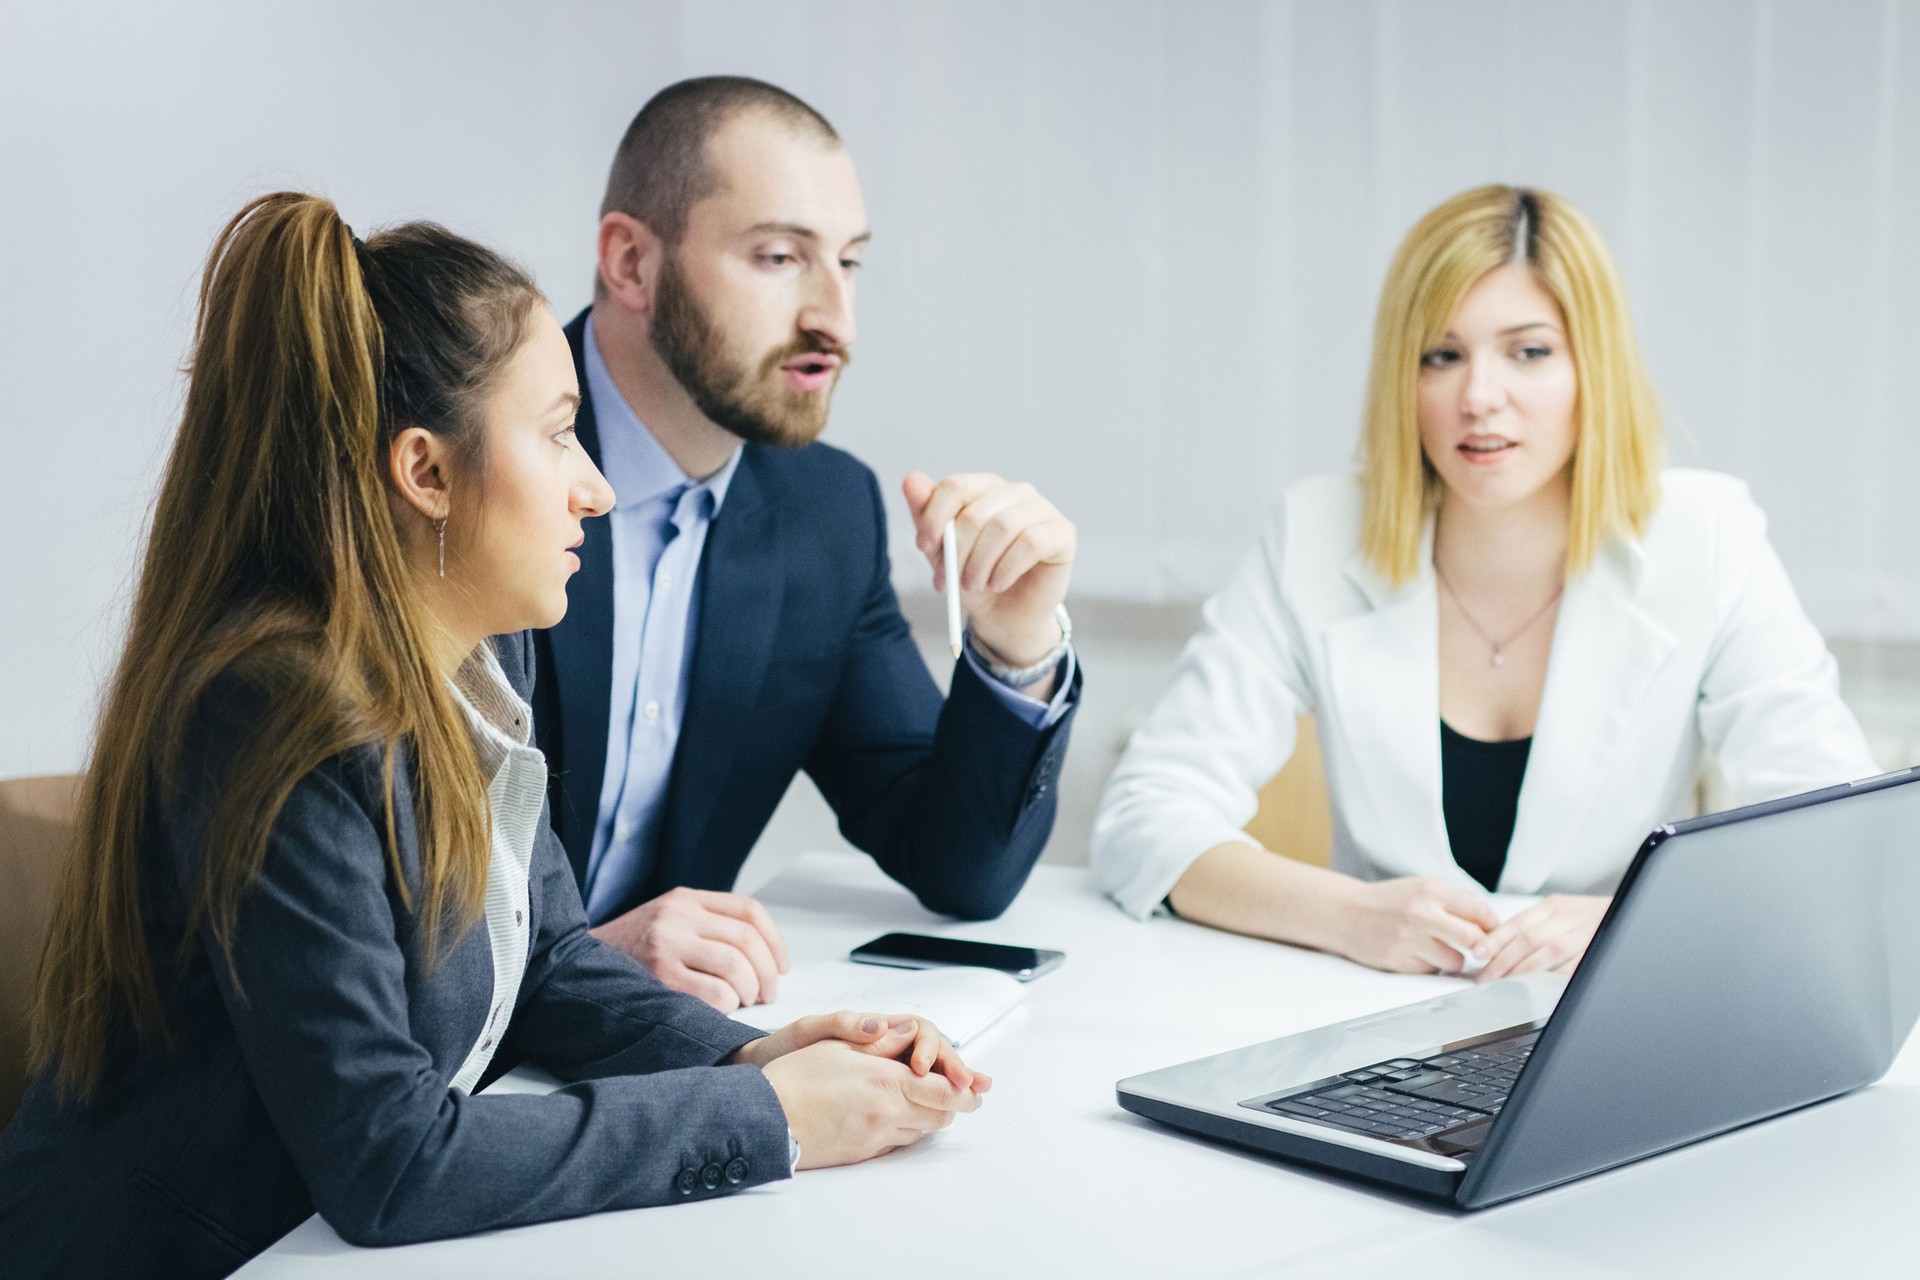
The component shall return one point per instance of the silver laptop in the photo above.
(1752, 962)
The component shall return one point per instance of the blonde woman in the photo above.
(1517, 635)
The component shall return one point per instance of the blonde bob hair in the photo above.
(1619, 444)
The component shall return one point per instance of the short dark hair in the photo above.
(660, 170)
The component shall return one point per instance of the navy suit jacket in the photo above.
(321, 1081)
(803, 661)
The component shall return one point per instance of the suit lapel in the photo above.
(582, 645)
(1384, 677)
(743, 578)
(1606, 652)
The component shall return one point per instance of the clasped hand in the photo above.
(857, 1085)
(1420, 925)
(1550, 936)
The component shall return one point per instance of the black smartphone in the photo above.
(918, 951)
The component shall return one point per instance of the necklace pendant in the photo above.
(1499, 658)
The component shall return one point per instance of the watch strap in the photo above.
(1021, 677)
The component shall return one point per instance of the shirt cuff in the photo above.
(1037, 714)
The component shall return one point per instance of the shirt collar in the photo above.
(637, 466)
(498, 719)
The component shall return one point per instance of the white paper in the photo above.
(962, 1002)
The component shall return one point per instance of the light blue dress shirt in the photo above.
(659, 528)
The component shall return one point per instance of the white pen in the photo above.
(951, 545)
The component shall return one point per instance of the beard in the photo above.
(748, 398)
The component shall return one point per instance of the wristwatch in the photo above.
(1021, 677)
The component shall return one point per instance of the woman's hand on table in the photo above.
(848, 1102)
(1414, 925)
(1549, 936)
(919, 1045)
(913, 1042)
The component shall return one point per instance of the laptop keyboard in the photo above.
(1415, 1097)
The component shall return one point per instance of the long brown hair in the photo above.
(274, 554)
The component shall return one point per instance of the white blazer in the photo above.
(1688, 639)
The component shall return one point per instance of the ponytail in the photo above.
(273, 555)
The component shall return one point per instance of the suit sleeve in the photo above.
(1190, 777)
(1770, 707)
(588, 1010)
(390, 1154)
(954, 800)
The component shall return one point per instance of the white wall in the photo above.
(1127, 250)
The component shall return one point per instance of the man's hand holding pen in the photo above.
(1015, 552)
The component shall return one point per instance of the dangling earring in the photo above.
(441, 525)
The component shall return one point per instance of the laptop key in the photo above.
(1348, 1123)
(1299, 1109)
(1442, 1090)
(1413, 1083)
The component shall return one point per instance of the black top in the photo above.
(1479, 793)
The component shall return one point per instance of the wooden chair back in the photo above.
(36, 817)
(1295, 817)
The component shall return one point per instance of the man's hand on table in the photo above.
(1549, 936)
(857, 1085)
(721, 947)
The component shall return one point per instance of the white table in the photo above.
(1051, 1178)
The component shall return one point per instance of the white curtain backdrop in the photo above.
(1127, 250)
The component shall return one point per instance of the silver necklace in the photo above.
(1499, 658)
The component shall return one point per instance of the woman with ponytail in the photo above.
(313, 894)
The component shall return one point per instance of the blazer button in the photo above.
(711, 1177)
(687, 1183)
(736, 1170)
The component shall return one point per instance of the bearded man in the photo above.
(734, 620)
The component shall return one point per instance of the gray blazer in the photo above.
(321, 1082)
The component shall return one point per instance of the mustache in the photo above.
(807, 344)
